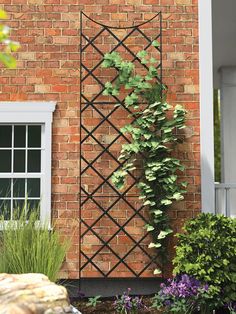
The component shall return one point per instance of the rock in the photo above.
(32, 294)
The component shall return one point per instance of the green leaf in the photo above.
(157, 272)
(3, 15)
(148, 77)
(115, 92)
(14, 46)
(106, 92)
(157, 212)
(152, 71)
(178, 196)
(147, 136)
(184, 184)
(7, 60)
(155, 43)
(164, 233)
(144, 61)
(153, 60)
(149, 228)
(166, 202)
(142, 54)
(154, 245)
(148, 202)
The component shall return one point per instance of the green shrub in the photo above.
(26, 247)
(207, 251)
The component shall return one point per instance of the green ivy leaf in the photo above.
(154, 245)
(157, 272)
(142, 54)
(152, 71)
(178, 197)
(151, 203)
(148, 77)
(164, 233)
(166, 202)
(156, 43)
(184, 184)
(153, 60)
(144, 61)
(115, 92)
(149, 228)
(158, 212)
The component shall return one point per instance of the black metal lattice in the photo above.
(103, 198)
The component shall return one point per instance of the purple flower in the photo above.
(183, 286)
(180, 294)
(127, 304)
(167, 303)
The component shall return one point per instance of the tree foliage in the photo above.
(7, 46)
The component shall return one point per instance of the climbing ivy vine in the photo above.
(154, 136)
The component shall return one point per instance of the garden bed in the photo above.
(107, 307)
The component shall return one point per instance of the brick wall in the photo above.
(48, 69)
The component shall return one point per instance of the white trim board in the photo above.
(34, 112)
(206, 106)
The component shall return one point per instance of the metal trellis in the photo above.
(101, 197)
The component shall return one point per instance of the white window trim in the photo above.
(206, 106)
(42, 113)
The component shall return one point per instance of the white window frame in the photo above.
(35, 113)
(206, 106)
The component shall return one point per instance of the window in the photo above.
(21, 149)
(25, 158)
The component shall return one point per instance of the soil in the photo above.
(106, 307)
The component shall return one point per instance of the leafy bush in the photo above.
(27, 247)
(207, 251)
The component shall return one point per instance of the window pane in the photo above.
(34, 161)
(5, 187)
(34, 136)
(19, 136)
(33, 187)
(5, 135)
(5, 160)
(19, 161)
(33, 206)
(19, 187)
(18, 208)
(5, 209)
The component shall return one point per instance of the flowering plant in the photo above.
(126, 304)
(232, 307)
(181, 295)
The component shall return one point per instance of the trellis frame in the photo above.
(85, 103)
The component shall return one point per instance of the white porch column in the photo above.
(228, 131)
(206, 106)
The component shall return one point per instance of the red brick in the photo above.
(48, 69)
